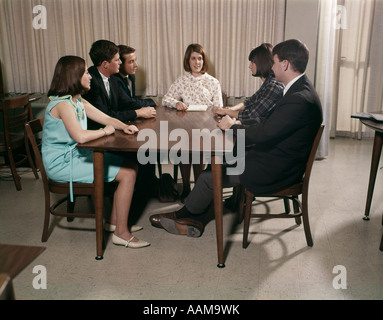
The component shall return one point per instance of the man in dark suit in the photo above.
(126, 79)
(277, 148)
(105, 92)
(127, 76)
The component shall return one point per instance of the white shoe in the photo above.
(111, 228)
(129, 244)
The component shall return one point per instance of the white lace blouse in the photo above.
(202, 90)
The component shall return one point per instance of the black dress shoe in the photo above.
(155, 219)
(188, 227)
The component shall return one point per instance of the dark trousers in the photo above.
(202, 194)
(146, 183)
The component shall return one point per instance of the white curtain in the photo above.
(29, 54)
(358, 66)
(228, 30)
(325, 67)
(160, 30)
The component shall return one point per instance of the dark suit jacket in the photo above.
(119, 105)
(132, 95)
(282, 142)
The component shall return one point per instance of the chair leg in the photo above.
(246, 225)
(287, 205)
(70, 207)
(69, 204)
(44, 236)
(241, 196)
(306, 224)
(34, 170)
(235, 197)
(16, 177)
(30, 158)
(175, 173)
(297, 208)
(381, 241)
(159, 166)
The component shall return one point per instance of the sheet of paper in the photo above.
(197, 107)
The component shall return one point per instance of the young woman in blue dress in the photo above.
(65, 125)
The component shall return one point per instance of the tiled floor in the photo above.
(276, 265)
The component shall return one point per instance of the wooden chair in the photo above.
(79, 189)
(292, 193)
(16, 112)
(224, 99)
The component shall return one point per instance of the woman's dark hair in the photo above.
(67, 77)
(102, 50)
(263, 59)
(295, 52)
(199, 49)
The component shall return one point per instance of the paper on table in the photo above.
(197, 107)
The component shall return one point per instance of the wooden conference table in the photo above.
(376, 152)
(162, 127)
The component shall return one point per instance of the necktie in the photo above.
(129, 85)
(108, 87)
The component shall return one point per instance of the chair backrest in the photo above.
(17, 111)
(32, 128)
(224, 99)
(312, 156)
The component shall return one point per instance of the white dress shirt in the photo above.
(288, 86)
(106, 83)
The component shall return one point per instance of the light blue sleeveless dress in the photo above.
(63, 161)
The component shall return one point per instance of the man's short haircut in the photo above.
(295, 52)
(125, 50)
(102, 50)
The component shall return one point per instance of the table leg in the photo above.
(98, 163)
(216, 168)
(376, 151)
(381, 244)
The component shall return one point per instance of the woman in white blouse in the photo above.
(195, 87)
